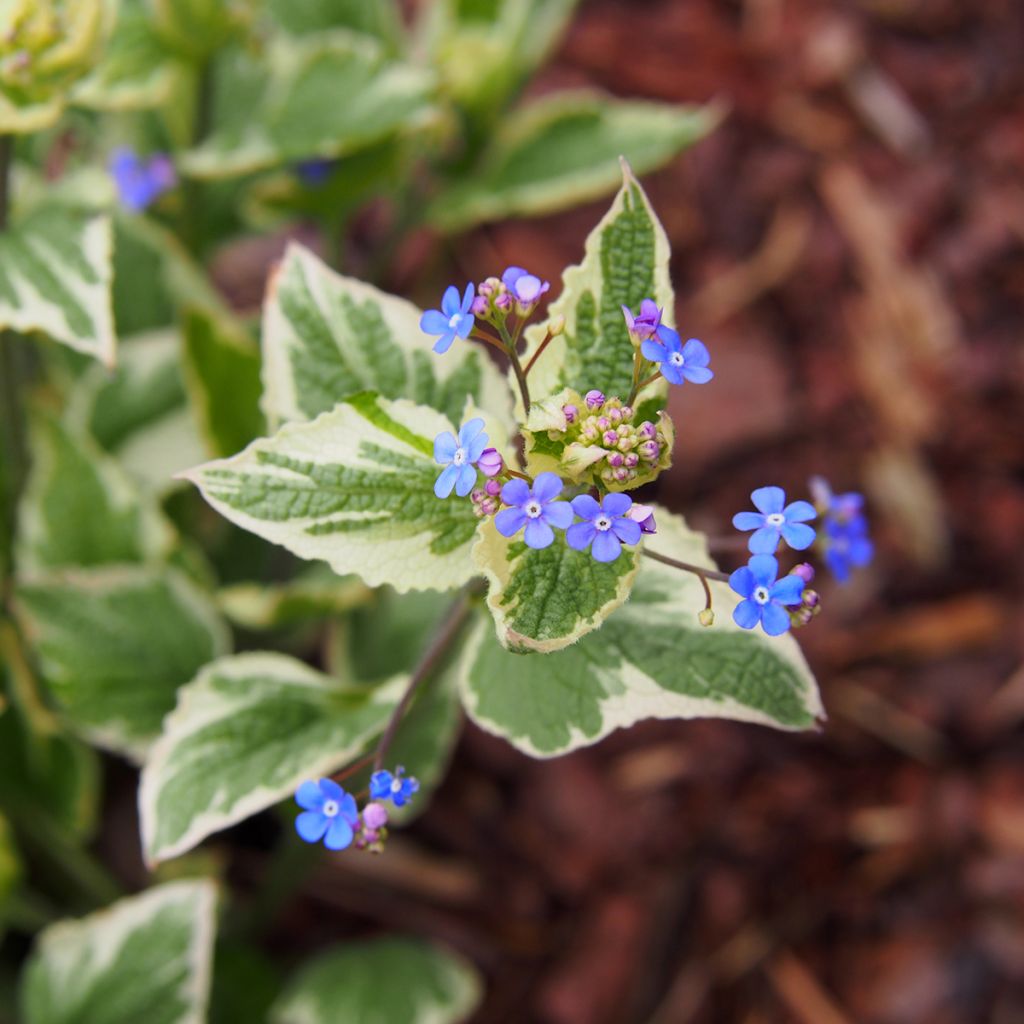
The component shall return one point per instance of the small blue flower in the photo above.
(459, 457)
(679, 362)
(847, 546)
(525, 287)
(607, 526)
(396, 788)
(774, 520)
(764, 599)
(329, 814)
(534, 508)
(315, 171)
(646, 323)
(453, 320)
(139, 181)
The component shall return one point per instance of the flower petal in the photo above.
(627, 531)
(469, 430)
(538, 534)
(742, 581)
(464, 324)
(308, 796)
(434, 322)
(339, 835)
(800, 512)
(444, 342)
(788, 590)
(673, 374)
(348, 809)
(649, 309)
(547, 487)
(617, 504)
(585, 506)
(861, 551)
(775, 619)
(747, 614)
(606, 547)
(695, 353)
(697, 374)
(311, 826)
(476, 448)
(511, 275)
(579, 536)
(445, 483)
(444, 447)
(331, 790)
(799, 536)
(380, 784)
(466, 479)
(515, 492)
(670, 339)
(764, 569)
(764, 541)
(509, 521)
(748, 520)
(558, 514)
(653, 351)
(450, 302)
(769, 500)
(467, 297)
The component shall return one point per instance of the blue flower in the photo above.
(524, 286)
(316, 170)
(396, 788)
(606, 526)
(329, 814)
(847, 546)
(459, 457)
(535, 508)
(776, 520)
(452, 320)
(646, 323)
(679, 362)
(139, 182)
(764, 599)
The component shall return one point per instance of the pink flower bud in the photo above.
(490, 462)
(648, 430)
(627, 412)
(632, 460)
(480, 305)
(594, 399)
(644, 515)
(375, 816)
(649, 450)
(570, 412)
(493, 488)
(623, 475)
(610, 438)
(503, 302)
(615, 459)
(615, 415)
(805, 571)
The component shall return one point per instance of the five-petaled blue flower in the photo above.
(774, 520)
(397, 788)
(646, 323)
(527, 288)
(459, 457)
(329, 814)
(140, 181)
(453, 320)
(607, 526)
(764, 598)
(535, 508)
(678, 362)
(847, 545)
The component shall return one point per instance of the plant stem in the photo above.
(480, 336)
(450, 628)
(637, 388)
(517, 367)
(697, 570)
(536, 355)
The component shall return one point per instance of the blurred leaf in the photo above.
(327, 337)
(388, 981)
(10, 869)
(286, 106)
(381, 18)
(55, 275)
(245, 984)
(80, 509)
(651, 659)
(146, 958)
(198, 28)
(246, 732)
(222, 370)
(115, 644)
(559, 151)
(625, 261)
(354, 487)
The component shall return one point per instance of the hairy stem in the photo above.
(634, 390)
(637, 388)
(698, 570)
(536, 355)
(517, 367)
(446, 635)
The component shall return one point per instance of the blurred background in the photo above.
(849, 243)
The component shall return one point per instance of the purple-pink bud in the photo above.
(649, 450)
(480, 305)
(503, 302)
(632, 460)
(490, 462)
(615, 459)
(648, 430)
(594, 399)
(623, 475)
(644, 515)
(476, 496)
(805, 571)
(375, 816)
(627, 412)
(610, 438)
(493, 488)
(570, 412)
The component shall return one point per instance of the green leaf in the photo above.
(326, 337)
(80, 509)
(196, 28)
(544, 600)
(388, 981)
(222, 367)
(137, 70)
(651, 659)
(55, 275)
(146, 958)
(115, 644)
(245, 733)
(355, 488)
(625, 261)
(381, 19)
(291, 104)
(563, 150)
(10, 868)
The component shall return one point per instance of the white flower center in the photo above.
(676, 359)
(459, 458)
(455, 321)
(602, 523)
(761, 595)
(775, 519)
(331, 808)
(533, 509)
(396, 786)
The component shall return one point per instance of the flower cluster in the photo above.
(139, 181)
(331, 815)
(845, 541)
